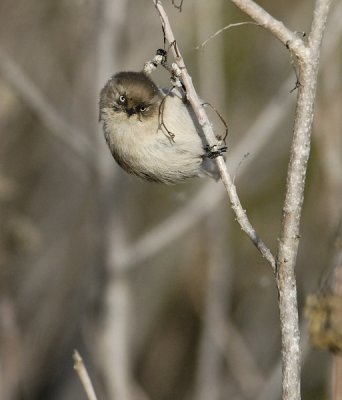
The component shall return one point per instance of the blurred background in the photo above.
(156, 286)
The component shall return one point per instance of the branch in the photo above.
(72, 137)
(208, 132)
(279, 30)
(292, 209)
(308, 57)
(113, 338)
(200, 46)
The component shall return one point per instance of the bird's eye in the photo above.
(143, 108)
(122, 99)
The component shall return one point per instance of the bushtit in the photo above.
(152, 133)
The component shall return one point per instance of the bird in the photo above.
(153, 133)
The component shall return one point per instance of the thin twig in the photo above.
(84, 376)
(206, 126)
(222, 30)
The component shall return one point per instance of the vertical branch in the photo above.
(57, 125)
(113, 335)
(211, 79)
(209, 366)
(292, 208)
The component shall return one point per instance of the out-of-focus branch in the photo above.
(209, 378)
(71, 136)
(113, 338)
(11, 349)
(216, 303)
(212, 141)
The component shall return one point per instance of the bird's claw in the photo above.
(215, 150)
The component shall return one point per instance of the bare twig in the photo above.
(84, 376)
(204, 122)
(222, 30)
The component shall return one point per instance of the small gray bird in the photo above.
(152, 133)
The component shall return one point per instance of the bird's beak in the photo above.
(130, 111)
